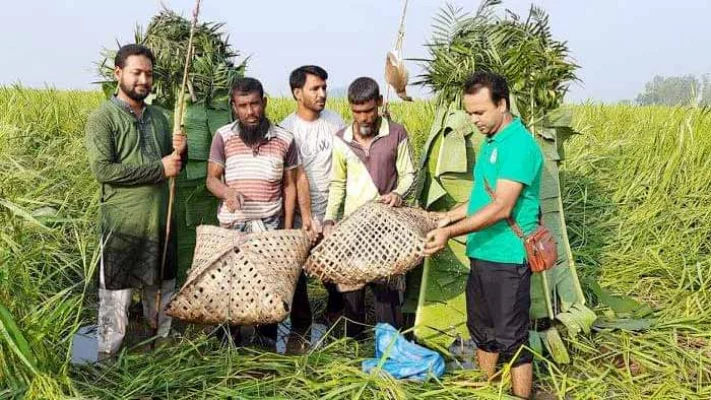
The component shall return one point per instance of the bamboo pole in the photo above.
(177, 122)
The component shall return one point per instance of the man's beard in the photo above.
(369, 130)
(133, 94)
(252, 135)
(366, 131)
(315, 106)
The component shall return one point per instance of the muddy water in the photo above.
(85, 348)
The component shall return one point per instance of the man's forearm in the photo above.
(216, 187)
(336, 198)
(303, 195)
(289, 205)
(405, 170)
(127, 174)
(487, 216)
(458, 213)
(333, 209)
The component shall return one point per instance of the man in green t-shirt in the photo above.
(498, 288)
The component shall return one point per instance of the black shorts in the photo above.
(498, 302)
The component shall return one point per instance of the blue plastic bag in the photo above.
(403, 359)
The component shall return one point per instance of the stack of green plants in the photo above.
(212, 71)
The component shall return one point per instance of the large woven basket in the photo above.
(373, 243)
(241, 279)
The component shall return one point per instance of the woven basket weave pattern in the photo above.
(241, 279)
(373, 243)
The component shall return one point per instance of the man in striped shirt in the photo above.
(252, 168)
(372, 160)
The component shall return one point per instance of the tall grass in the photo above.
(636, 198)
(47, 214)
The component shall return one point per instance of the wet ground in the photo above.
(85, 349)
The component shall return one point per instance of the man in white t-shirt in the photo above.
(313, 128)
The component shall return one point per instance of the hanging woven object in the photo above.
(374, 242)
(241, 279)
(396, 74)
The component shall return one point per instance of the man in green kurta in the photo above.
(132, 156)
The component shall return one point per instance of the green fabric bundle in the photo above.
(194, 204)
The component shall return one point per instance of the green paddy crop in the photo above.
(636, 186)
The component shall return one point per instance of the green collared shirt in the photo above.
(510, 154)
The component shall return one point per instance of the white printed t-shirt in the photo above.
(314, 142)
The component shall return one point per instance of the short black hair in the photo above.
(132, 50)
(497, 85)
(297, 79)
(363, 90)
(247, 86)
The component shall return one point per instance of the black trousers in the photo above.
(498, 302)
(268, 331)
(387, 308)
(301, 315)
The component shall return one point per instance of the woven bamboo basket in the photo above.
(375, 242)
(241, 279)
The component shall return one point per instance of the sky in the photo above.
(619, 44)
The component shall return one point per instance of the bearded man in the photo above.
(372, 160)
(252, 168)
(132, 156)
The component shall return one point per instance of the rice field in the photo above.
(636, 194)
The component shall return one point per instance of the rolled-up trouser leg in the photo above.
(479, 320)
(113, 319)
(512, 328)
(505, 299)
(150, 306)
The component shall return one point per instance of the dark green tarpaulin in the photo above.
(194, 204)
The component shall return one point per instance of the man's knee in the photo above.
(516, 353)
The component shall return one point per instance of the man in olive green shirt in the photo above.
(498, 288)
(132, 154)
